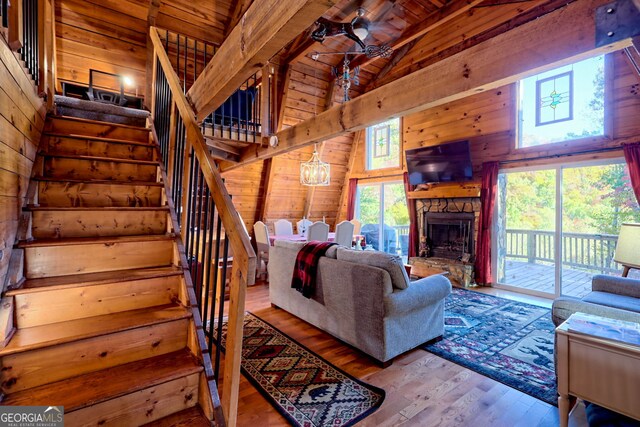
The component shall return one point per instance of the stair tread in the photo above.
(98, 122)
(98, 138)
(93, 240)
(98, 181)
(95, 208)
(91, 279)
(191, 417)
(72, 330)
(103, 159)
(95, 387)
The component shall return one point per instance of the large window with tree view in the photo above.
(562, 104)
(558, 226)
(382, 209)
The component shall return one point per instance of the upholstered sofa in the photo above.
(610, 296)
(364, 298)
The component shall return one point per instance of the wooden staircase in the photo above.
(103, 317)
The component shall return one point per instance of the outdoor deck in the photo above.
(541, 277)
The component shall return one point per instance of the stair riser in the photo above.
(33, 368)
(65, 168)
(62, 224)
(140, 407)
(67, 194)
(88, 147)
(105, 130)
(49, 261)
(60, 305)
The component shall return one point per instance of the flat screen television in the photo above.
(449, 162)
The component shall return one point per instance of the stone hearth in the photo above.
(460, 273)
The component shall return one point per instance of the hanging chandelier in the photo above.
(315, 172)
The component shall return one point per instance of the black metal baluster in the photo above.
(192, 194)
(4, 10)
(223, 280)
(198, 232)
(188, 205)
(212, 263)
(215, 291)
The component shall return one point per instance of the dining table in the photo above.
(303, 238)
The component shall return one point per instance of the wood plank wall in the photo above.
(488, 121)
(21, 121)
(110, 35)
(287, 199)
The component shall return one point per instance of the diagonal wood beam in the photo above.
(526, 50)
(436, 19)
(266, 27)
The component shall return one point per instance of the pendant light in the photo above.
(315, 172)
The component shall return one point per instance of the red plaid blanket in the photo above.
(304, 271)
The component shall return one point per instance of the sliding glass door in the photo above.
(557, 227)
(382, 210)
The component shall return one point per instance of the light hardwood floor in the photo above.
(421, 389)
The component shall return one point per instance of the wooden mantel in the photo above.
(447, 190)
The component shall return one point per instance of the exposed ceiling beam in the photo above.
(436, 19)
(528, 16)
(266, 27)
(526, 50)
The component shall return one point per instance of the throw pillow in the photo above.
(332, 252)
(391, 263)
(289, 244)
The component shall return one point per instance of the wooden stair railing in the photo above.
(210, 227)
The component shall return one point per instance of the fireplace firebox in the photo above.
(449, 235)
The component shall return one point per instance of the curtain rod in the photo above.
(557, 156)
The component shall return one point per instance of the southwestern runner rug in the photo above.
(508, 341)
(306, 389)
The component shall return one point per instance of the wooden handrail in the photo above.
(244, 258)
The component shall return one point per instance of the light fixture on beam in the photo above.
(315, 172)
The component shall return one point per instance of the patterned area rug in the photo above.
(302, 386)
(508, 341)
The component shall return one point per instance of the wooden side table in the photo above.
(598, 369)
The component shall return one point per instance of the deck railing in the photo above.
(593, 252)
(214, 239)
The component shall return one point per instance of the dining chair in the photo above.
(344, 234)
(283, 227)
(302, 226)
(318, 231)
(261, 234)
(357, 225)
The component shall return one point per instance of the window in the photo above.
(562, 104)
(383, 145)
(382, 210)
(558, 226)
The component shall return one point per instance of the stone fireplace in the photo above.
(448, 235)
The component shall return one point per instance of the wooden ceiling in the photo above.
(111, 35)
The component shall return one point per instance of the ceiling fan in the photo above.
(357, 30)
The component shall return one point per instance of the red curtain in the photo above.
(632, 156)
(351, 198)
(413, 220)
(488, 200)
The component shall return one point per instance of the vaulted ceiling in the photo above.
(111, 35)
